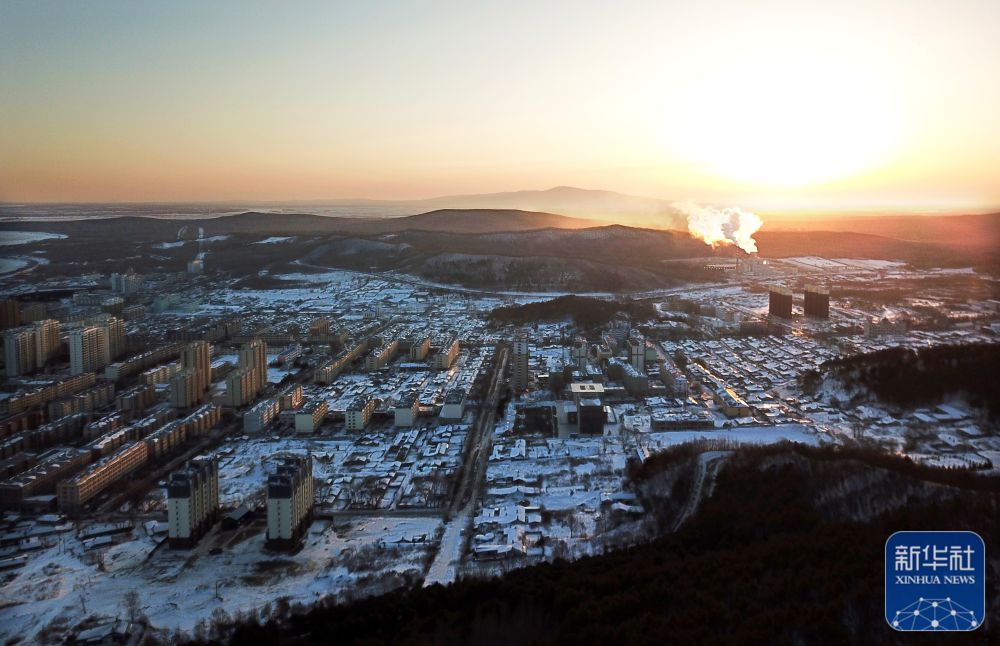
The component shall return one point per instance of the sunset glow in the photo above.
(774, 105)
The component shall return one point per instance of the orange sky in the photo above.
(778, 104)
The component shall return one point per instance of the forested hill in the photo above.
(788, 549)
(912, 378)
(585, 311)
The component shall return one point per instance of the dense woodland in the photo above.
(788, 549)
(912, 378)
(585, 312)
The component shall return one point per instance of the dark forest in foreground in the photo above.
(788, 549)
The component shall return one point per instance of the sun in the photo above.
(786, 122)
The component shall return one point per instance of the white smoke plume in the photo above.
(730, 225)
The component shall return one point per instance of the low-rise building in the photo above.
(310, 416)
(454, 404)
(261, 415)
(76, 491)
(406, 410)
(359, 412)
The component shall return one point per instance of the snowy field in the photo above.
(229, 571)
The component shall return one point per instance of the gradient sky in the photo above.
(771, 103)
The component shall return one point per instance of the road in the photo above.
(463, 506)
(708, 466)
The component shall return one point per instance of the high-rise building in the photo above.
(239, 387)
(192, 501)
(127, 283)
(88, 349)
(289, 501)
(253, 356)
(20, 351)
(10, 313)
(34, 312)
(779, 302)
(197, 356)
(519, 378)
(817, 302)
(579, 352)
(637, 351)
(185, 390)
(46, 340)
(116, 336)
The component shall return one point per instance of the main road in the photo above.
(462, 510)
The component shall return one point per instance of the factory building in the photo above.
(406, 410)
(817, 302)
(779, 302)
(311, 415)
(192, 502)
(260, 416)
(359, 412)
(88, 350)
(20, 352)
(76, 491)
(519, 367)
(289, 502)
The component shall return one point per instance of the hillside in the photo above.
(447, 220)
(788, 549)
(978, 231)
(907, 378)
(609, 206)
(507, 249)
(585, 312)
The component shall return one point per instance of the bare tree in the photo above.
(132, 604)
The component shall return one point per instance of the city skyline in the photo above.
(782, 106)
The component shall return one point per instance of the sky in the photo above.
(768, 104)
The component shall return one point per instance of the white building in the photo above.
(88, 350)
(520, 363)
(359, 412)
(192, 502)
(310, 416)
(406, 410)
(454, 404)
(260, 416)
(289, 502)
(20, 351)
